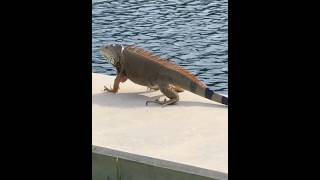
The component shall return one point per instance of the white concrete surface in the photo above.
(193, 132)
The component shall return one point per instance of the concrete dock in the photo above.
(189, 138)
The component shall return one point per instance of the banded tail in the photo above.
(210, 94)
(196, 86)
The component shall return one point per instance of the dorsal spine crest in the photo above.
(165, 62)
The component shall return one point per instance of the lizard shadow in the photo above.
(194, 103)
(121, 100)
(138, 99)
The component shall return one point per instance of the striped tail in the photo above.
(190, 82)
(209, 94)
(198, 87)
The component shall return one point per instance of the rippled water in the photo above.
(192, 33)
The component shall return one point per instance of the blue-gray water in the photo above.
(192, 33)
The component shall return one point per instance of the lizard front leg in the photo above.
(119, 78)
(170, 93)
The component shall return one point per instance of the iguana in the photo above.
(147, 69)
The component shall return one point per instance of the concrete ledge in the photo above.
(190, 137)
(185, 170)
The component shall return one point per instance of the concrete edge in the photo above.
(160, 163)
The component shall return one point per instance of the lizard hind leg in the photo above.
(170, 93)
(153, 88)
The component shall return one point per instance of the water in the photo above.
(192, 33)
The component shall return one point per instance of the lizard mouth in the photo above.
(107, 57)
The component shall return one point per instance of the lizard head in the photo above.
(112, 53)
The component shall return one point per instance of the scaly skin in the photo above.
(146, 69)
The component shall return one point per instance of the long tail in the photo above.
(186, 80)
(198, 87)
(210, 94)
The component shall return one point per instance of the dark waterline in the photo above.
(192, 33)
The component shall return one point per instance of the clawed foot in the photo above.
(108, 89)
(162, 103)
